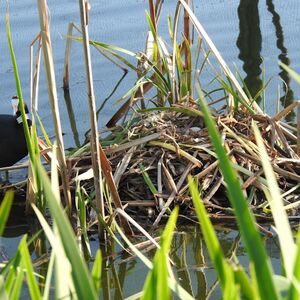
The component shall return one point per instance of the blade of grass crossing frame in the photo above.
(96, 271)
(82, 281)
(294, 293)
(27, 265)
(224, 270)
(5, 209)
(148, 181)
(19, 89)
(283, 228)
(16, 290)
(156, 285)
(245, 219)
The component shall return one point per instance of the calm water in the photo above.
(251, 35)
(124, 276)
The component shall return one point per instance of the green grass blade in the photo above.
(294, 293)
(224, 270)
(19, 89)
(27, 265)
(16, 291)
(96, 271)
(292, 73)
(156, 285)
(148, 181)
(245, 219)
(3, 294)
(5, 209)
(283, 228)
(49, 277)
(82, 280)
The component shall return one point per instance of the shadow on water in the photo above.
(288, 96)
(249, 43)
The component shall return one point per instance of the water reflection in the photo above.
(288, 96)
(72, 118)
(249, 43)
(124, 275)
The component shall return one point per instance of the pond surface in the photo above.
(123, 275)
(251, 35)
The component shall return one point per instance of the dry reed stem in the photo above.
(136, 142)
(51, 83)
(123, 165)
(66, 77)
(186, 30)
(97, 153)
(172, 196)
(94, 141)
(35, 73)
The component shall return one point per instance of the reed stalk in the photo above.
(95, 145)
(187, 35)
(67, 57)
(152, 14)
(35, 73)
(50, 74)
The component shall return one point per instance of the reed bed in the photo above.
(177, 154)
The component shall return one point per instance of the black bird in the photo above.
(13, 145)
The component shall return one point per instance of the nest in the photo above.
(156, 153)
(159, 151)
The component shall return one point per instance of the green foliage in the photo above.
(5, 209)
(156, 285)
(245, 219)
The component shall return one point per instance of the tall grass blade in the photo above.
(283, 228)
(157, 280)
(82, 281)
(224, 270)
(96, 271)
(16, 290)
(19, 90)
(245, 219)
(5, 209)
(27, 265)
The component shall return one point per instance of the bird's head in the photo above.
(16, 109)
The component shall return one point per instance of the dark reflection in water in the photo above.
(72, 117)
(288, 96)
(249, 43)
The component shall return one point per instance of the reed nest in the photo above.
(155, 154)
(161, 148)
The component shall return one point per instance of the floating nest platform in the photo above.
(159, 149)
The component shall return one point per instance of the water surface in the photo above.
(251, 35)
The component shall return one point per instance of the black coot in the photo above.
(12, 139)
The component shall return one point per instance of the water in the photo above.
(251, 35)
(123, 23)
(123, 275)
